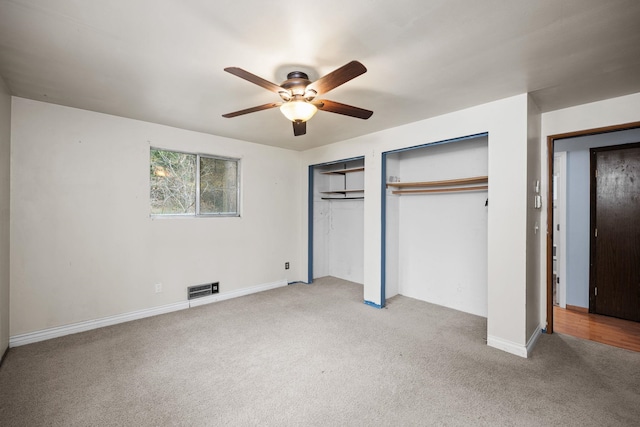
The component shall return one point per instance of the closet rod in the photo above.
(442, 190)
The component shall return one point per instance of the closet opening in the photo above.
(336, 220)
(434, 223)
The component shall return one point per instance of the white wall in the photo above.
(346, 241)
(441, 238)
(392, 230)
(338, 240)
(506, 122)
(83, 244)
(508, 215)
(321, 243)
(614, 111)
(534, 226)
(5, 185)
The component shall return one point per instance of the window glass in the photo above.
(173, 183)
(218, 186)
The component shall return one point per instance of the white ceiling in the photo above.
(162, 61)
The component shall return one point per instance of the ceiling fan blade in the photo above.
(299, 128)
(252, 109)
(337, 77)
(338, 108)
(254, 79)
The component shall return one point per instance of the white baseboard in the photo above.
(508, 346)
(46, 334)
(235, 294)
(533, 339)
(60, 331)
(514, 348)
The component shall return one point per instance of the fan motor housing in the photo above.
(296, 82)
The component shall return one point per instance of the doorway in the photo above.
(553, 141)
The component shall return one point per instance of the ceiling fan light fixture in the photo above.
(298, 95)
(285, 95)
(309, 94)
(298, 110)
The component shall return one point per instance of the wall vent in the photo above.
(199, 291)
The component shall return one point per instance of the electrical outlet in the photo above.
(286, 265)
(158, 287)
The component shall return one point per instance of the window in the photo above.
(193, 184)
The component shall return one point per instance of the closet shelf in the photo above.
(447, 182)
(342, 191)
(343, 198)
(343, 171)
(442, 190)
(449, 185)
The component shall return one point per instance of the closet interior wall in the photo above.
(436, 243)
(338, 220)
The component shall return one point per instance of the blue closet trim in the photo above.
(373, 304)
(310, 228)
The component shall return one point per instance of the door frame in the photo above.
(561, 210)
(550, 146)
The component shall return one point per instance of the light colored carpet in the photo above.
(314, 355)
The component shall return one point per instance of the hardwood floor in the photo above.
(594, 327)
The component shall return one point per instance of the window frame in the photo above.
(197, 213)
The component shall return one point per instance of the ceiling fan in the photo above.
(299, 94)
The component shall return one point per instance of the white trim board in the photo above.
(60, 331)
(533, 339)
(513, 348)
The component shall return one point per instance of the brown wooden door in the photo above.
(615, 231)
